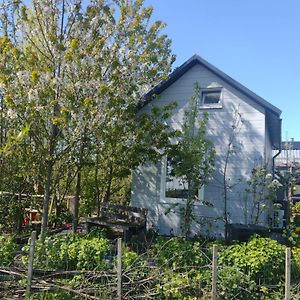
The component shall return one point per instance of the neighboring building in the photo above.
(288, 159)
(154, 189)
(287, 162)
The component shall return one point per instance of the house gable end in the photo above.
(273, 121)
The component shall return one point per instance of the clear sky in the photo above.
(256, 42)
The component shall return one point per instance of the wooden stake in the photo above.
(287, 274)
(214, 273)
(119, 270)
(30, 263)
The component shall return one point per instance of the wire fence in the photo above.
(129, 272)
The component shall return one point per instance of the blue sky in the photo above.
(257, 42)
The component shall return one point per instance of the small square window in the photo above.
(211, 98)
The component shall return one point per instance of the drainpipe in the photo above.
(279, 151)
(273, 160)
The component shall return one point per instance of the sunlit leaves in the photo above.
(75, 72)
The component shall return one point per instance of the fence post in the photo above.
(119, 270)
(30, 263)
(214, 273)
(287, 274)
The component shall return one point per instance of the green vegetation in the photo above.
(7, 251)
(71, 252)
(72, 76)
(170, 269)
(192, 158)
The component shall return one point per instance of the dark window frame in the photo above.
(205, 92)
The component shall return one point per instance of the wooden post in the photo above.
(214, 273)
(119, 270)
(287, 274)
(30, 263)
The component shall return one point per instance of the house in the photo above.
(259, 133)
(287, 162)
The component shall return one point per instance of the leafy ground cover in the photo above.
(84, 267)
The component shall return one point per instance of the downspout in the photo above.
(273, 161)
(279, 151)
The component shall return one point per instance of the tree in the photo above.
(73, 75)
(192, 157)
(231, 148)
(260, 194)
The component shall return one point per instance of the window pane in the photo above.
(211, 98)
(176, 187)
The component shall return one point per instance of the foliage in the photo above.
(72, 75)
(292, 231)
(7, 251)
(235, 284)
(49, 295)
(183, 265)
(171, 269)
(292, 234)
(260, 192)
(296, 207)
(192, 157)
(71, 252)
(176, 252)
(260, 258)
(187, 285)
(61, 217)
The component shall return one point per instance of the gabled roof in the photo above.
(196, 59)
(272, 112)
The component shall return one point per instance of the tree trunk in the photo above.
(188, 211)
(20, 213)
(50, 163)
(225, 194)
(76, 201)
(46, 200)
(98, 199)
(108, 187)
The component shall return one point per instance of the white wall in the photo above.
(251, 150)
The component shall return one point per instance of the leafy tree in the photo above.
(260, 192)
(71, 76)
(193, 157)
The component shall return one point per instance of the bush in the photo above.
(71, 252)
(234, 284)
(7, 251)
(183, 263)
(261, 258)
(177, 253)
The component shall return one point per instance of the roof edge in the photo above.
(196, 59)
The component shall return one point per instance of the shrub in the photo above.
(177, 252)
(7, 251)
(184, 268)
(261, 258)
(71, 252)
(233, 284)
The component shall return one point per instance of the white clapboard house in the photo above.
(152, 186)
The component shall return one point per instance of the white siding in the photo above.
(252, 149)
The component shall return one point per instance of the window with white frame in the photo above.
(173, 186)
(211, 98)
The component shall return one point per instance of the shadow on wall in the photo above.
(145, 190)
(247, 152)
(240, 145)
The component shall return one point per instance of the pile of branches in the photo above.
(139, 281)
